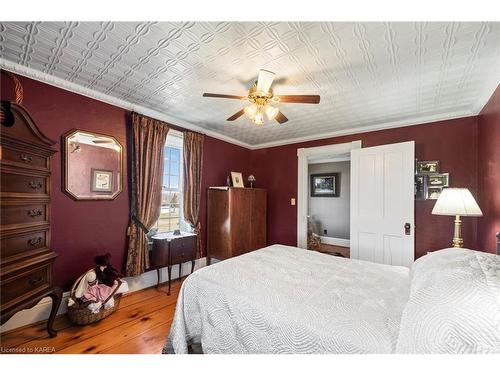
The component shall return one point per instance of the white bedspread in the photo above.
(282, 299)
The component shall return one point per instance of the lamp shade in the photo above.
(456, 201)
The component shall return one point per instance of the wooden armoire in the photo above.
(236, 222)
(26, 259)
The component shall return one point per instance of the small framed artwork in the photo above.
(428, 167)
(420, 186)
(433, 192)
(441, 179)
(325, 185)
(237, 179)
(101, 181)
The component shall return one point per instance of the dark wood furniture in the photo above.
(26, 259)
(169, 249)
(236, 222)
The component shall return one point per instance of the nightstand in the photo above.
(169, 249)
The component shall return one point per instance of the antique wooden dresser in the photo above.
(26, 259)
(236, 221)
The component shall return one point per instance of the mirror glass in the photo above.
(93, 166)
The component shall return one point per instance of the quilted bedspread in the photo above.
(283, 299)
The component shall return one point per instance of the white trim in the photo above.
(73, 87)
(369, 128)
(335, 241)
(329, 160)
(41, 310)
(79, 89)
(304, 155)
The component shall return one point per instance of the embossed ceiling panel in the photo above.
(369, 75)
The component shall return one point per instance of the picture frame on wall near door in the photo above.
(325, 185)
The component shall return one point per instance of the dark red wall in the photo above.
(453, 142)
(82, 229)
(489, 172)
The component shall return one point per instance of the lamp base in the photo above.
(458, 241)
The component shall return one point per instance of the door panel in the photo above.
(382, 201)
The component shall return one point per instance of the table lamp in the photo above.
(456, 202)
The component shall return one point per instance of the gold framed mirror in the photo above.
(93, 165)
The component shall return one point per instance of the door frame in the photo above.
(305, 157)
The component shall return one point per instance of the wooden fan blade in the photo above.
(306, 99)
(224, 96)
(236, 115)
(281, 118)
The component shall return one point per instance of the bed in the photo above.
(283, 299)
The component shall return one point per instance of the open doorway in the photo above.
(324, 198)
(329, 202)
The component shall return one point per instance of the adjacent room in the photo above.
(250, 187)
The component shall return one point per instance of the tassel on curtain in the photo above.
(147, 177)
(193, 160)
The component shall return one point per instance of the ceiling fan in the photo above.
(263, 101)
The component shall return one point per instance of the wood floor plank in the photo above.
(121, 334)
(149, 342)
(118, 319)
(22, 335)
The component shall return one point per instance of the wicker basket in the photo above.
(82, 315)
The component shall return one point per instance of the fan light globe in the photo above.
(271, 112)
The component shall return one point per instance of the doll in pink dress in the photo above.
(100, 283)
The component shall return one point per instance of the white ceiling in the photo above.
(369, 75)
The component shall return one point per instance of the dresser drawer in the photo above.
(13, 245)
(23, 183)
(17, 287)
(24, 159)
(182, 250)
(21, 214)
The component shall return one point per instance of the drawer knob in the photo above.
(35, 241)
(35, 212)
(35, 282)
(27, 159)
(35, 184)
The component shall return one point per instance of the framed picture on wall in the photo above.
(441, 179)
(325, 185)
(433, 192)
(101, 181)
(428, 167)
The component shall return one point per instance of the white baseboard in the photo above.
(335, 241)
(41, 310)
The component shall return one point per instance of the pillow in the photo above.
(454, 304)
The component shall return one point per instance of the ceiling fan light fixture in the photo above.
(251, 111)
(271, 112)
(259, 118)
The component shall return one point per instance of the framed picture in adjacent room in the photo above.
(101, 181)
(237, 179)
(325, 185)
(427, 167)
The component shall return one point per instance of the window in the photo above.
(171, 195)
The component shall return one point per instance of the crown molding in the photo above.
(369, 128)
(78, 89)
(81, 90)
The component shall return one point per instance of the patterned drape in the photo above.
(147, 177)
(193, 160)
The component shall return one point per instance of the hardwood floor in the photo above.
(140, 325)
(330, 249)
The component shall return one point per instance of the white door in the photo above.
(382, 203)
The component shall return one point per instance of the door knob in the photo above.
(407, 229)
